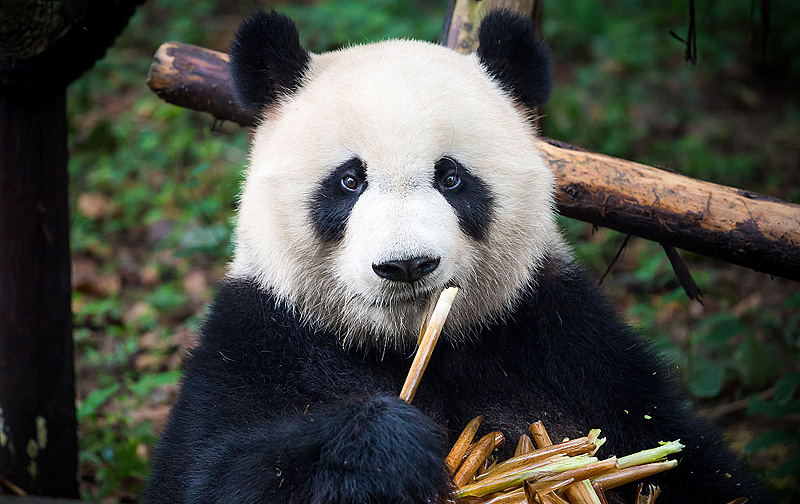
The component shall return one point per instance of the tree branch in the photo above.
(735, 225)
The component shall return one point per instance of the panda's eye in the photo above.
(350, 182)
(451, 181)
(451, 177)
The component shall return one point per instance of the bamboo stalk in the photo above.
(572, 447)
(12, 487)
(508, 480)
(430, 305)
(533, 464)
(513, 497)
(499, 439)
(648, 498)
(629, 475)
(469, 467)
(651, 455)
(600, 493)
(589, 471)
(428, 342)
(543, 492)
(456, 455)
(581, 492)
(540, 436)
(524, 445)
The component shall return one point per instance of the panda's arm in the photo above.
(270, 413)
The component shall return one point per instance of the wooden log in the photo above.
(735, 225)
(195, 78)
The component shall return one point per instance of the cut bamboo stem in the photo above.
(542, 492)
(651, 455)
(581, 492)
(540, 436)
(482, 449)
(624, 476)
(589, 471)
(430, 305)
(524, 445)
(510, 480)
(427, 343)
(600, 493)
(461, 445)
(650, 497)
(629, 475)
(572, 447)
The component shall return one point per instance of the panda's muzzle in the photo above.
(406, 270)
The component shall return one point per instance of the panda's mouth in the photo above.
(417, 293)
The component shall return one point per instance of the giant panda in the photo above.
(380, 174)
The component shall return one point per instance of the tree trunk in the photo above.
(38, 441)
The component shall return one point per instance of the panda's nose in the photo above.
(406, 270)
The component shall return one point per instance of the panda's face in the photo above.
(395, 170)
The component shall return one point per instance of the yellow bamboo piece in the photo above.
(540, 436)
(543, 492)
(514, 479)
(651, 455)
(572, 447)
(581, 492)
(427, 343)
(524, 445)
(461, 445)
(621, 477)
(482, 449)
(586, 472)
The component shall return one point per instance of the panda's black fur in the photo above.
(273, 409)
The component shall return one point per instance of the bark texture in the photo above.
(38, 440)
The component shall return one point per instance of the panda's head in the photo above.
(381, 173)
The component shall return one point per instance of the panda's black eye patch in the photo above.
(335, 197)
(469, 196)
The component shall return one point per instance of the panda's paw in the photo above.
(383, 450)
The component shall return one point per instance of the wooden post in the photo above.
(42, 49)
(38, 440)
(464, 16)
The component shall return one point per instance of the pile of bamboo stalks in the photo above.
(567, 472)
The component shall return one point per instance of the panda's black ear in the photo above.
(267, 60)
(515, 57)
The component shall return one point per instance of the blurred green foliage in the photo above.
(153, 190)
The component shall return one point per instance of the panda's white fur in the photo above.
(399, 106)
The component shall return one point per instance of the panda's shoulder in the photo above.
(566, 305)
(246, 328)
(242, 310)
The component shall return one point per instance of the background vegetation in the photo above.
(153, 191)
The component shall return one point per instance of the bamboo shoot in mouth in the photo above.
(432, 328)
